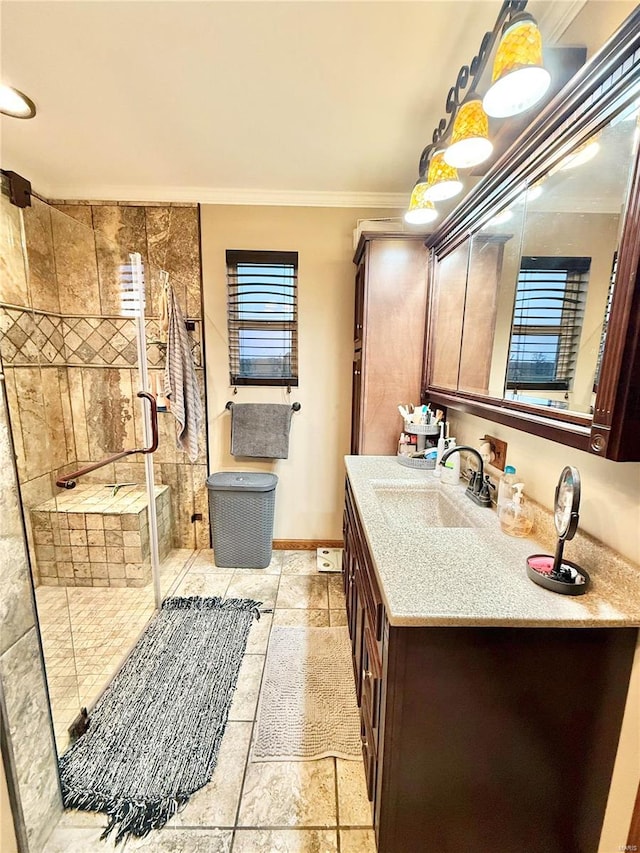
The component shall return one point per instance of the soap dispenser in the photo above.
(505, 487)
(516, 516)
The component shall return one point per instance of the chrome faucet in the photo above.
(479, 486)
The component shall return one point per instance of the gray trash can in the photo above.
(241, 508)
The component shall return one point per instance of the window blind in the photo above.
(262, 317)
(547, 322)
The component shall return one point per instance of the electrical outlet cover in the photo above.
(329, 559)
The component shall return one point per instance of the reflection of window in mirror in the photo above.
(572, 227)
(547, 324)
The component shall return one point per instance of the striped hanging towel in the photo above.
(180, 380)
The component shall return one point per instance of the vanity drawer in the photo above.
(374, 602)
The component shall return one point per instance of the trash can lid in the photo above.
(234, 481)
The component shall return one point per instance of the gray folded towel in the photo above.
(260, 430)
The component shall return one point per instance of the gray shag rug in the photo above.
(154, 736)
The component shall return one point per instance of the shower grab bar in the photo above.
(69, 480)
(295, 406)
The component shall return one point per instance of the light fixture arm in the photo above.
(468, 74)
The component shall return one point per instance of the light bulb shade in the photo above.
(519, 77)
(442, 179)
(15, 103)
(421, 210)
(470, 142)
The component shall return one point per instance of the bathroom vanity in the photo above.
(490, 708)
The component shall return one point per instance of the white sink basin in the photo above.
(410, 505)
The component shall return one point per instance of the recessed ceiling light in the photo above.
(15, 104)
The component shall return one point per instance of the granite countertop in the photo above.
(472, 575)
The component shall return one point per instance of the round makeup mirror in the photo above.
(567, 502)
(554, 572)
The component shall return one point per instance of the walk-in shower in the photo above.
(81, 338)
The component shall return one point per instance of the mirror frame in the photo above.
(604, 86)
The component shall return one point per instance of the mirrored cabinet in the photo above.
(534, 285)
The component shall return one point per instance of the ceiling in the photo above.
(245, 102)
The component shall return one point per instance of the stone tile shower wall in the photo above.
(70, 361)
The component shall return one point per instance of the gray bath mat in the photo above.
(308, 708)
(155, 734)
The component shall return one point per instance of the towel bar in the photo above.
(295, 406)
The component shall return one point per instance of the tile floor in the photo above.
(87, 632)
(271, 807)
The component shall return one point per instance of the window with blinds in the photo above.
(547, 323)
(262, 317)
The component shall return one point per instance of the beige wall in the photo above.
(609, 505)
(311, 489)
(626, 772)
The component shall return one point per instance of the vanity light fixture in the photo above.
(421, 210)
(15, 103)
(470, 143)
(442, 179)
(519, 78)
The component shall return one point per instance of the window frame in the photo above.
(238, 257)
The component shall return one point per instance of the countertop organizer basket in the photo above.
(424, 431)
(416, 462)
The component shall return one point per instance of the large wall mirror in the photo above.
(521, 303)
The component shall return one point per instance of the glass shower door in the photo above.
(33, 363)
(183, 520)
(110, 519)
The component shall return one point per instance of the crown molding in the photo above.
(240, 196)
(557, 17)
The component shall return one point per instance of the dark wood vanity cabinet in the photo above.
(482, 739)
(365, 618)
(388, 335)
